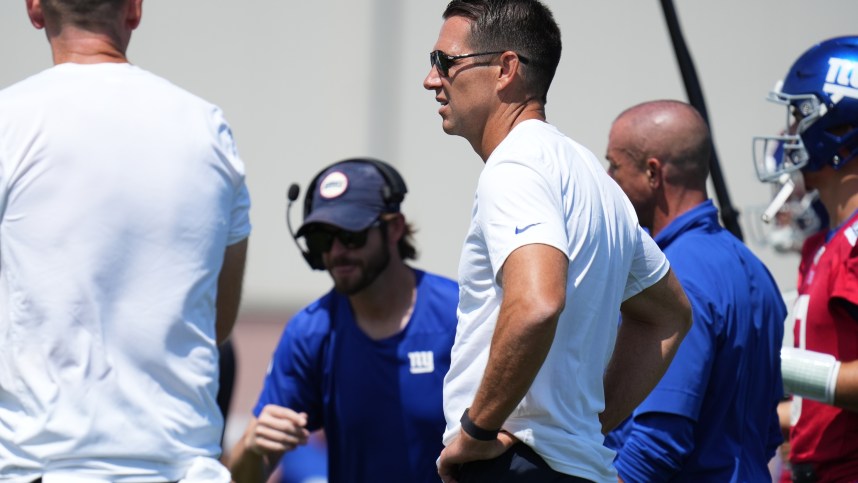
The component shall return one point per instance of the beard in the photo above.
(368, 270)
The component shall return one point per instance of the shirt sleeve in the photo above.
(519, 206)
(661, 432)
(240, 216)
(649, 265)
(292, 379)
(655, 449)
(239, 222)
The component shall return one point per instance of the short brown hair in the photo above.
(85, 14)
(526, 27)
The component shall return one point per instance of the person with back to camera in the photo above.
(123, 234)
(713, 416)
(820, 91)
(553, 255)
(366, 361)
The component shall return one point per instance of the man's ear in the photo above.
(395, 228)
(34, 11)
(510, 65)
(134, 14)
(654, 172)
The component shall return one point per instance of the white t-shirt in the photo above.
(119, 193)
(539, 186)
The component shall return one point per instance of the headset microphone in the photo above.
(292, 195)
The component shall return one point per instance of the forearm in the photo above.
(519, 348)
(229, 289)
(846, 391)
(245, 465)
(641, 357)
(534, 295)
(654, 324)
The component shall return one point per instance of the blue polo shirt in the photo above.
(712, 417)
(378, 400)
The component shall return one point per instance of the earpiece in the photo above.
(314, 261)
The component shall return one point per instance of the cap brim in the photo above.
(356, 218)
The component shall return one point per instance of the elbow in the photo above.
(537, 310)
(546, 311)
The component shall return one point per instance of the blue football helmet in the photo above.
(820, 92)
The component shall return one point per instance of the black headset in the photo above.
(392, 193)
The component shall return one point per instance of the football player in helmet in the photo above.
(820, 92)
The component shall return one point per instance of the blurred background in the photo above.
(305, 84)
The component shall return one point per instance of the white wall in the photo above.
(308, 83)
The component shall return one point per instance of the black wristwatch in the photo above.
(475, 431)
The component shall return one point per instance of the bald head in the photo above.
(659, 155)
(672, 132)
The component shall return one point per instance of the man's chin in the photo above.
(349, 285)
(448, 127)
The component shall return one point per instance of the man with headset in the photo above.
(367, 360)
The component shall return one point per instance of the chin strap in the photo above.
(779, 199)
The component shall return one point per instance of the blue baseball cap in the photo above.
(349, 195)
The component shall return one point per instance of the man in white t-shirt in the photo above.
(554, 253)
(123, 233)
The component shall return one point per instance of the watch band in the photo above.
(475, 431)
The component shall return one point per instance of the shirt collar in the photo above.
(702, 216)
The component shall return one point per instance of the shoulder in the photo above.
(689, 247)
(314, 320)
(434, 280)
(26, 91)
(438, 298)
(436, 286)
(715, 265)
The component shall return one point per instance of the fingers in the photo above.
(507, 440)
(464, 449)
(447, 470)
(278, 429)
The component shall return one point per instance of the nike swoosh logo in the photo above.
(522, 230)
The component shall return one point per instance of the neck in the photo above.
(73, 45)
(384, 308)
(840, 208)
(499, 126)
(674, 204)
(838, 191)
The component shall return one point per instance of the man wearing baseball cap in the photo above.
(366, 361)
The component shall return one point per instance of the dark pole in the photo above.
(729, 215)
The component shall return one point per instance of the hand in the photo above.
(277, 430)
(465, 448)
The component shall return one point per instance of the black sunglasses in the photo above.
(320, 240)
(444, 61)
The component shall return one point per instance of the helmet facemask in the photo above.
(776, 156)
